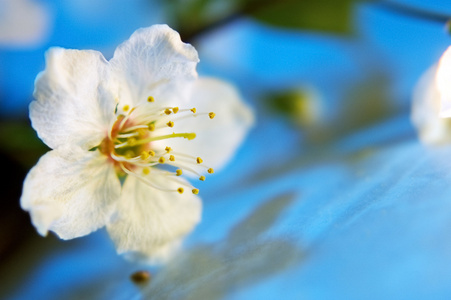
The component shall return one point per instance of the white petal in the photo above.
(74, 104)
(154, 62)
(426, 108)
(216, 139)
(443, 78)
(150, 223)
(71, 192)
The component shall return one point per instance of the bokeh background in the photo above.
(332, 195)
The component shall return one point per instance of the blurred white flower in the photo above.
(432, 129)
(443, 78)
(23, 23)
(122, 132)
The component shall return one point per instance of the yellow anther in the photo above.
(168, 149)
(199, 160)
(175, 110)
(129, 154)
(180, 190)
(178, 172)
(150, 99)
(126, 107)
(161, 160)
(151, 153)
(195, 191)
(146, 171)
(211, 115)
(168, 111)
(151, 126)
(202, 178)
(170, 124)
(142, 132)
(171, 158)
(193, 110)
(131, 141)
(145, 155)
(211, 171)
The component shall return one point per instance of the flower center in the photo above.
(129, 145)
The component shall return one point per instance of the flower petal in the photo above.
(74, 104)
(71, 192)
(154, 62)
(425, 111)
(443, 79)
(150, 223)
(216, 139)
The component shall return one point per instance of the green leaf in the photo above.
(333, 16)
(19, 142)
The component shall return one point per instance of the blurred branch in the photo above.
(188, 33)
(191, 22)
(414, 12)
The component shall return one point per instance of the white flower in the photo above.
(443, 79)
(122, 132)
(425, 115)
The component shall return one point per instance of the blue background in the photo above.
(363, 214)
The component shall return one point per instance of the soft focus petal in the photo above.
(73, 104)
(151, 223)
(216, 139)
(23, 23)
(444, 83)
(425, 111)
(154, 62)
(71, 192)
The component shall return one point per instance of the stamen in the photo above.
(180, 165)
(133, 128)
(149, 164)
(132, 142)
(141, 132)
(129, 154)
(211, 115)
(140, 161)
(121, 145)
(187, 135)
(125, 159)
(184, 155)
(143, 180)
(145, 155)
(127, 135)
